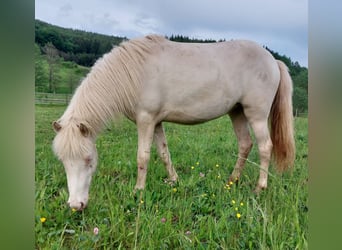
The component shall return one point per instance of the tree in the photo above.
(40, 70)
(300, 100)
(72, 79)
(75, 45)
(300, 91)
(52, 58)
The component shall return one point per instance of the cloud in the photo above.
(281, 24)
(65, 10)
(228, 15)
(145, 23)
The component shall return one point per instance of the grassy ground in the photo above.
(199, 212)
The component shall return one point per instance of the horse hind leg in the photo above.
(261, 132)
(245, 143)
(163, 151)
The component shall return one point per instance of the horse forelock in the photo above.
(69, 143)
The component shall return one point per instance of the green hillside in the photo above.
(75, 45)
(64, 56)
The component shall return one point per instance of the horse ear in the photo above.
(56, 126)
(84, 130)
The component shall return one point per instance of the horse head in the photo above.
(75, 147)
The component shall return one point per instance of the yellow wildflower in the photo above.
(174, 190)
(141, 201)
(238, 215)
(241, 204)
(233, 201)
(42, 219)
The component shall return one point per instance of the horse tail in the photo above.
(281, 119)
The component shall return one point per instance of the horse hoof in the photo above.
(170, 182)
(233, 180)
(258, 189)
(137, 189)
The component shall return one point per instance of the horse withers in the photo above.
(152, 80)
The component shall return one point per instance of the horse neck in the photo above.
(110, 89)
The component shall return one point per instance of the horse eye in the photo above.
(87, 161)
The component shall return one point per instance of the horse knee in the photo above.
(165, 158)
(143, 159)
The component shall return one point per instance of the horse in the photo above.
(151, 80)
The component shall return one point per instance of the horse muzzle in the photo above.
(77, 205)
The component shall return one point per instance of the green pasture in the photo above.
(199, 212)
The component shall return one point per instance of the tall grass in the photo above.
(199, 212)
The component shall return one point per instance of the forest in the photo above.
(64, 56)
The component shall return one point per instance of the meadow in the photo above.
(201, 211)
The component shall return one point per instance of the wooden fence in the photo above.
(300, 114)
(52, 99)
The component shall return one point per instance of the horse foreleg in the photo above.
(163, 151)
(265, 150)
(145, 138)
(245, 143)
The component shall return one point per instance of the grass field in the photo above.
(199, 212)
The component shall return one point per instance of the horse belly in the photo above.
(183, 117)
(199, 111)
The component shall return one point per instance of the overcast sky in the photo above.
(281, 25)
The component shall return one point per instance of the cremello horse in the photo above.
(151, 79)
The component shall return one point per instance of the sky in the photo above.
(281, 25)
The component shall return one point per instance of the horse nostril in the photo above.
(79, 206)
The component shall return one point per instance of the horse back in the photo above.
(191, 83)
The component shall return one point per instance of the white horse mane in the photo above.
(110, 89)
